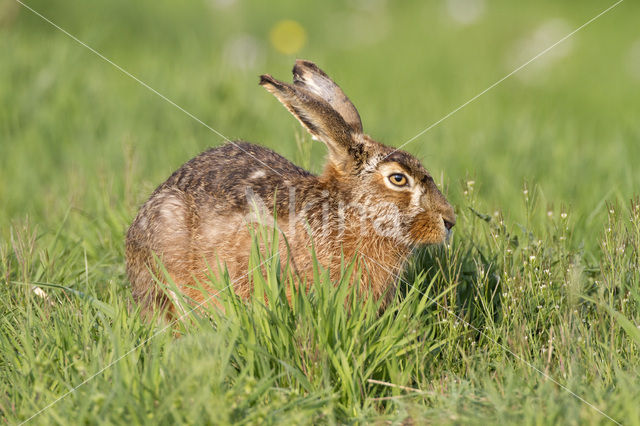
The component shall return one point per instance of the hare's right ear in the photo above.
(308, 76)
(319, 118)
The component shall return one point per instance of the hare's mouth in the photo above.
(448, 236)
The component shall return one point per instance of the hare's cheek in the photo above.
(427, 229)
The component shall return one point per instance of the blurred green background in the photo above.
(76, 133)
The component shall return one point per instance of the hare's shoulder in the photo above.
(227, 171)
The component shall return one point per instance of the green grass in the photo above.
(530, 315)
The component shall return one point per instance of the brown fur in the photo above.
(199, 220)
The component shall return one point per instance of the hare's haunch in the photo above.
(372, 203)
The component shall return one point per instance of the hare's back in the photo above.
(223, 175)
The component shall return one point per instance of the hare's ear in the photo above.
(308, 76)
(317, 116)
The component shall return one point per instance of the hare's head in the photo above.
(389, 187)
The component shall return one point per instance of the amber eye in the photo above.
(398, 179)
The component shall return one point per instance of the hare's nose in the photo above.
(449, 222)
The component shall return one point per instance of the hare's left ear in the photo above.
(320, 119)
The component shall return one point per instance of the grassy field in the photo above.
(530, 315)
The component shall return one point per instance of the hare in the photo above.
(372, 203)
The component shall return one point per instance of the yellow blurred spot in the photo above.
(288, 36)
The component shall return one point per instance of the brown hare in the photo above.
(372, 203)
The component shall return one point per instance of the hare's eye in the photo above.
(398, 179)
